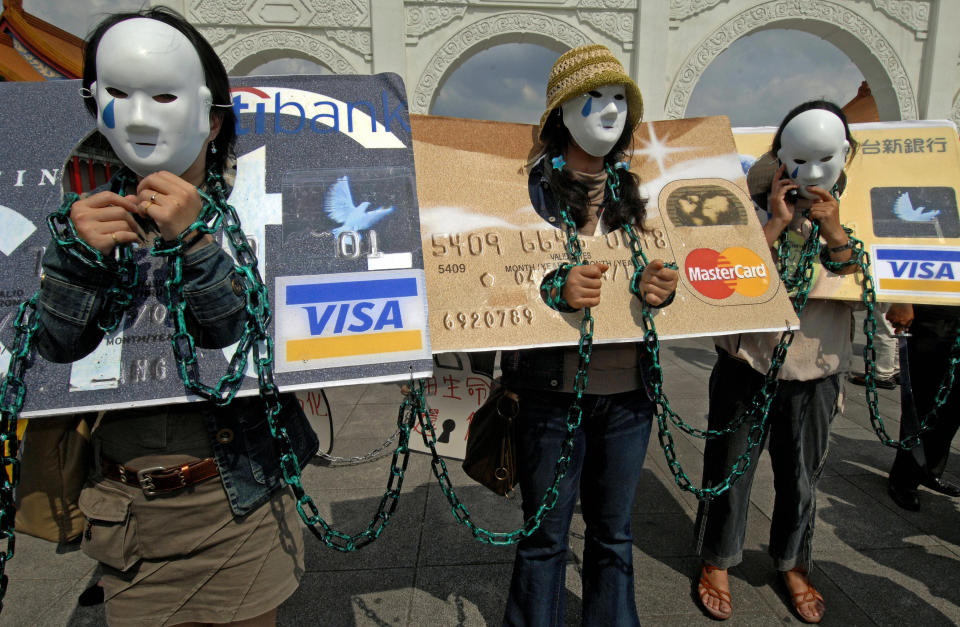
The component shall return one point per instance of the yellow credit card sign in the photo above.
(901, 199)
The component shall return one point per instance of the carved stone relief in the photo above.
(913, 14)
(340, 13)
(356, 40)
(607, 4)
(421, 20)
(780, 10)
(482, 30)
(218, 12)
(285, 41)
(684, 9)
(617, 25)
(216, 34)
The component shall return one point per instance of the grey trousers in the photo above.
(798, 433)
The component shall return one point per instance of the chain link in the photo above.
(217, 213)
(213, 216)
(122, 268)
(13, 392)
(335, 462)
(861, 258)
(757, 412)
(801, 279)
(573, 419)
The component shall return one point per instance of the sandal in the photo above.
(707, 589)
(806, 599)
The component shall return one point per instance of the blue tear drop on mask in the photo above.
(585, 111)
(793, 174)
(108, 120)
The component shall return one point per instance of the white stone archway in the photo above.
(907, 49)
(853, 34)
(513, 26)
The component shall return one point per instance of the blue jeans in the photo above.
(606, 464)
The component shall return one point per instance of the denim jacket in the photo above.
(71, 298)
(542, 368)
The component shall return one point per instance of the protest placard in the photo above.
(325, 191)
(486, 250)
(901, 200)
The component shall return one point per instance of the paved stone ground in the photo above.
(876, 564)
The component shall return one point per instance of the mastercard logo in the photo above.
(719, 275)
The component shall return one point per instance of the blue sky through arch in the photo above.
(760, 77)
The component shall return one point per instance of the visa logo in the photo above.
(917, 270)
(352, 306)
(360, 315)
(350, 319)
(921, 270)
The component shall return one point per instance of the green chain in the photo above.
(217, 213)
(551, 290)
(119, 296)
(861, 258)
(574, 417)
(758, 411)
(214, 215)
(13, 392)
(802, 276)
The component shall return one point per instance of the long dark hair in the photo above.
(630, 208)
(213, 71)
(826, 105)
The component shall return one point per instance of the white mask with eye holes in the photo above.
(814, 148)
(153, 105)
(596, 119)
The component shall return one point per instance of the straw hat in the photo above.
(585, 68)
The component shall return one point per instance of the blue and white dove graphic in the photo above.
(338, 203)
(903, 208)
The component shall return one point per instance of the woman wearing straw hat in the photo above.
(578, 170)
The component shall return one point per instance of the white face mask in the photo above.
(596, 119)
(153, 104)
(814, 148)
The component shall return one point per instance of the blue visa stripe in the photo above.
(914, 254)
(310, 293)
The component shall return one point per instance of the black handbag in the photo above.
(491, 454)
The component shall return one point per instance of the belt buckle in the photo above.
(146, 481)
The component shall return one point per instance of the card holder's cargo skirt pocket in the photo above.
(110, 533)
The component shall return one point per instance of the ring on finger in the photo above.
(114, 236)
(153, 197)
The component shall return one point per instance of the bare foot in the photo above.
(714, 591)
(806, 600)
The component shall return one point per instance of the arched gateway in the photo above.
(904, 48)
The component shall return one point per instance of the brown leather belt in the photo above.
(160, 480)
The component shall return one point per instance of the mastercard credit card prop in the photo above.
(901, 199)
(486, 250)
(326, 195)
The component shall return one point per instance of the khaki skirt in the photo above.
(183, 557)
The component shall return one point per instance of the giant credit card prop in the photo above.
(486, 250)
(326, 193)
(901, 200)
